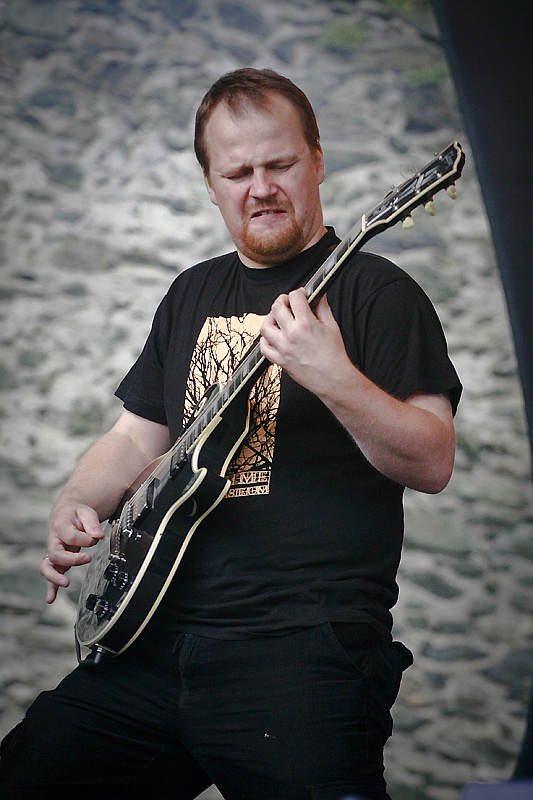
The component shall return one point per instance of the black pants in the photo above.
(277, 718)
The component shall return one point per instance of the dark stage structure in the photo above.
(490, 53)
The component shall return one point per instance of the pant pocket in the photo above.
(352, 650)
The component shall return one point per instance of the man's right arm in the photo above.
(94, 491)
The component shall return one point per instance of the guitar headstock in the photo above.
(440, 173)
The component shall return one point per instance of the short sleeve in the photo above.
(404, 349)
(142, 389)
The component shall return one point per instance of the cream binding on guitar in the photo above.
(133, 566)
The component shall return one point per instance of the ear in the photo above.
(319, 161)
(210, 190)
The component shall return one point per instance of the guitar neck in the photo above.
(439, 173)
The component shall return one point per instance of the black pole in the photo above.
(490, 53)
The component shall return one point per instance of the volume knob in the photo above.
(100, 607)
(90, 603)
(117, 577)
(111, 572)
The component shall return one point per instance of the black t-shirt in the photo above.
(309, 531)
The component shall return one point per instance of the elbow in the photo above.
(438, 464)
(431, 480)
(436, 485)
(430, 484)
(437, 476)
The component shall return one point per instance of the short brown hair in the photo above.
(248, 85)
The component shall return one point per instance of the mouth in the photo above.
(267, 212)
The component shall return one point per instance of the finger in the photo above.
(54, 579)
(89, 522)
(281, 302)
(281, 313)
(268, 324)
(62, 559)
(51, 592)
(53, 572)
(69, 540)
(298, 301)
(323, 311)
(267, 350)
(270, 330)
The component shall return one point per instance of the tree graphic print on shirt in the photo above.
(221, 344)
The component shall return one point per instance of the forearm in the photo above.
(411, 442)
(104, 474)
(94, 491)
(111, 465)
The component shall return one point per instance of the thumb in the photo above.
(88, 521)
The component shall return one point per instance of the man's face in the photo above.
(264, 178)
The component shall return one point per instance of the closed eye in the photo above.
(280, 167)
(247, 172)
(241, 175)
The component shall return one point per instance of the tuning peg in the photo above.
(451, 191)
(430, 208)
(408, 223)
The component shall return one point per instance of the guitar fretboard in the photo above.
(439, 173)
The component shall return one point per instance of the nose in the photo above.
(261, 183)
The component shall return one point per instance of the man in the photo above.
(269, 668)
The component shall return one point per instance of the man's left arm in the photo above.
(411, 441)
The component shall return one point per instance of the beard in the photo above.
(272, 247)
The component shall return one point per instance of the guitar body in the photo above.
(133, 566)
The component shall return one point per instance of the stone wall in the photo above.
(102, 204)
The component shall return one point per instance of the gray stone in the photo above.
(428, 109)
(238, 15)
(174, 12)
(493, 489)
(87, 417)
(24, 584)
(39, 17)
(51, 97)
(458, 652)
(84, 255)
(477, 751)
(435, 584)
(8, 376)
(436, 533)
(67, 174)
(109, 8)
(523, 548)
(406, 720)
(515, 671)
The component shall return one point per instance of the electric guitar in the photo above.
(144, 542)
